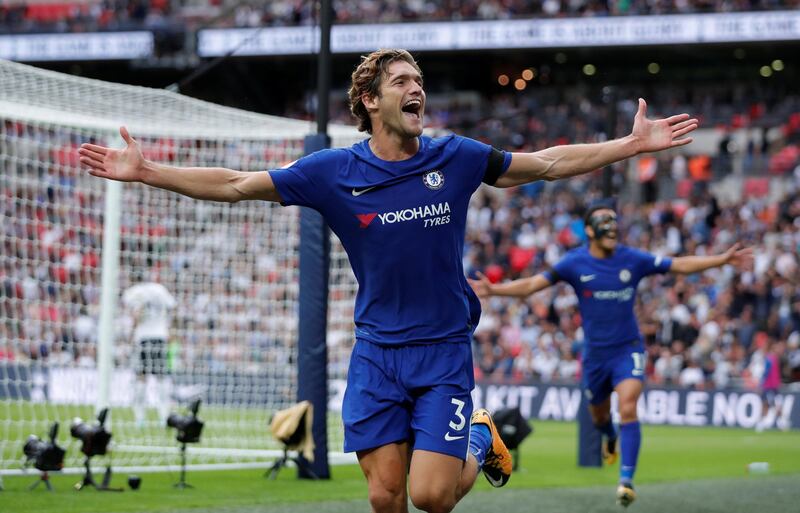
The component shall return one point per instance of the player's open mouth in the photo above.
(412, 109)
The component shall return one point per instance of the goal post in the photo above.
(109, 284)
(65, 337)
(312, 358)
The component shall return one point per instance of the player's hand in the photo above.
(738, 256)
(481, 286)
(125, 165)
(660, 134)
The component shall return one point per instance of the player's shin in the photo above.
(480, 439)
(610, 453)
(607, 429)
(630, 435)
(164, 394)
(139, 399)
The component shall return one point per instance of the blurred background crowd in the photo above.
(236, 310)
(706, 330)
(738, 182)
(177, 15)
(234, 284)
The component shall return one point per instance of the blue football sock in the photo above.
(608, 429)
(630, 435)
(480, 439)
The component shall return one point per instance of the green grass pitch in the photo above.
(680, 470)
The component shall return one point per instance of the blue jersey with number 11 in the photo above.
(402, 224)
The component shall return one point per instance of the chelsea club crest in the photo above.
(624, 276)
(433, 180)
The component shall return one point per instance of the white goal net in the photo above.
(232, 270)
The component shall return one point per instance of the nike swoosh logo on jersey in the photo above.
(587, 277)
(449, 438)
(362, 191)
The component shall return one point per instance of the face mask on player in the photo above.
(603, 225)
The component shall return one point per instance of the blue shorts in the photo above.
(417, 393)
(604, 369)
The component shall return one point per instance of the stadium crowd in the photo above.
(234, 309)
(544, 114)
(237, 301)
(177, 15)
(708, 330)
(88, 16)
(292, 12)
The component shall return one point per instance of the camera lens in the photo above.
(134, 482)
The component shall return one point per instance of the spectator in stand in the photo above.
(692, 376)
(793, 358)
(769, 384)
(83, 16)
(52, 231)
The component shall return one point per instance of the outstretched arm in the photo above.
(207, 183)
(576, 159)
(517, 288)
(694, 264)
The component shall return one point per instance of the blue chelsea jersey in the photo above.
(402, 224)
(606, 290)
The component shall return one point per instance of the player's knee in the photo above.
(433, 501)
(601, 418)
(387, 496)
(627, 411)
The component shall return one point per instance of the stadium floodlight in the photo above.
(94, 442)
(188, 429)
(46, 456)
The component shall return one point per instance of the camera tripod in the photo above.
(44, 477)
(281, 462)
(88, 479)
(182, 483)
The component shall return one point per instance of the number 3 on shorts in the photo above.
(638, 363)
(461, 420)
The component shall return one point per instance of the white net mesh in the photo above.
(232, 270)
(54, 98)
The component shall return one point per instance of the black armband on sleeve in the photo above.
(494, 167)
(552, 276)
